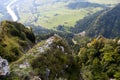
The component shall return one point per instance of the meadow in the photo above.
(52, 15)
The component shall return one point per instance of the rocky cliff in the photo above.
(50, 59)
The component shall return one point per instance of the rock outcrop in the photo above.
(48, 57)
(4, 67)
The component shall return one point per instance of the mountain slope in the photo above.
(100, 59)
(48, 13)
(106, 23)
(50, 59)
(78, 5)
(15, 39)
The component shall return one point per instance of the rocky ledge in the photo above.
(4, 67)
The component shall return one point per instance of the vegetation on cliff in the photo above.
(15, 39)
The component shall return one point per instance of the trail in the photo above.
(11, 12)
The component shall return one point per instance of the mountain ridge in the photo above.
(104, 23)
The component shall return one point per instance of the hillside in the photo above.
(50, 59)
(15, 39)
(60, 40)
(78, 5)
(51, 13)
(104, 23)
(48, 14)
(100, 59)
(53, 59)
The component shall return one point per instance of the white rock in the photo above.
(41, 49)
(24, 65)
(62, 48)
(118, 42)
(82, 33)
(58, 46)
(36, 78)
(50, 40)
(112, 79)
(4, 68)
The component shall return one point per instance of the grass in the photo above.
(64, 17)
(10, 42)
(50, 16)
(53, 17)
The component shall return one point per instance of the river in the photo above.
(11, 12)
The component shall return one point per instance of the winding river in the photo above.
(11, 12)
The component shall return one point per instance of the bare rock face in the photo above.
(4, 68)
(24, 65)
(36, 78)
(118, 42)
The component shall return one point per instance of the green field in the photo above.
(52, 15)
(63, 16)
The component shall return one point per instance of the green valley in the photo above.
(60, 40)
(52, 15)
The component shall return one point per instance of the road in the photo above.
(10, 11)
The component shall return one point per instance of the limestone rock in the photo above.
(4, 67)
